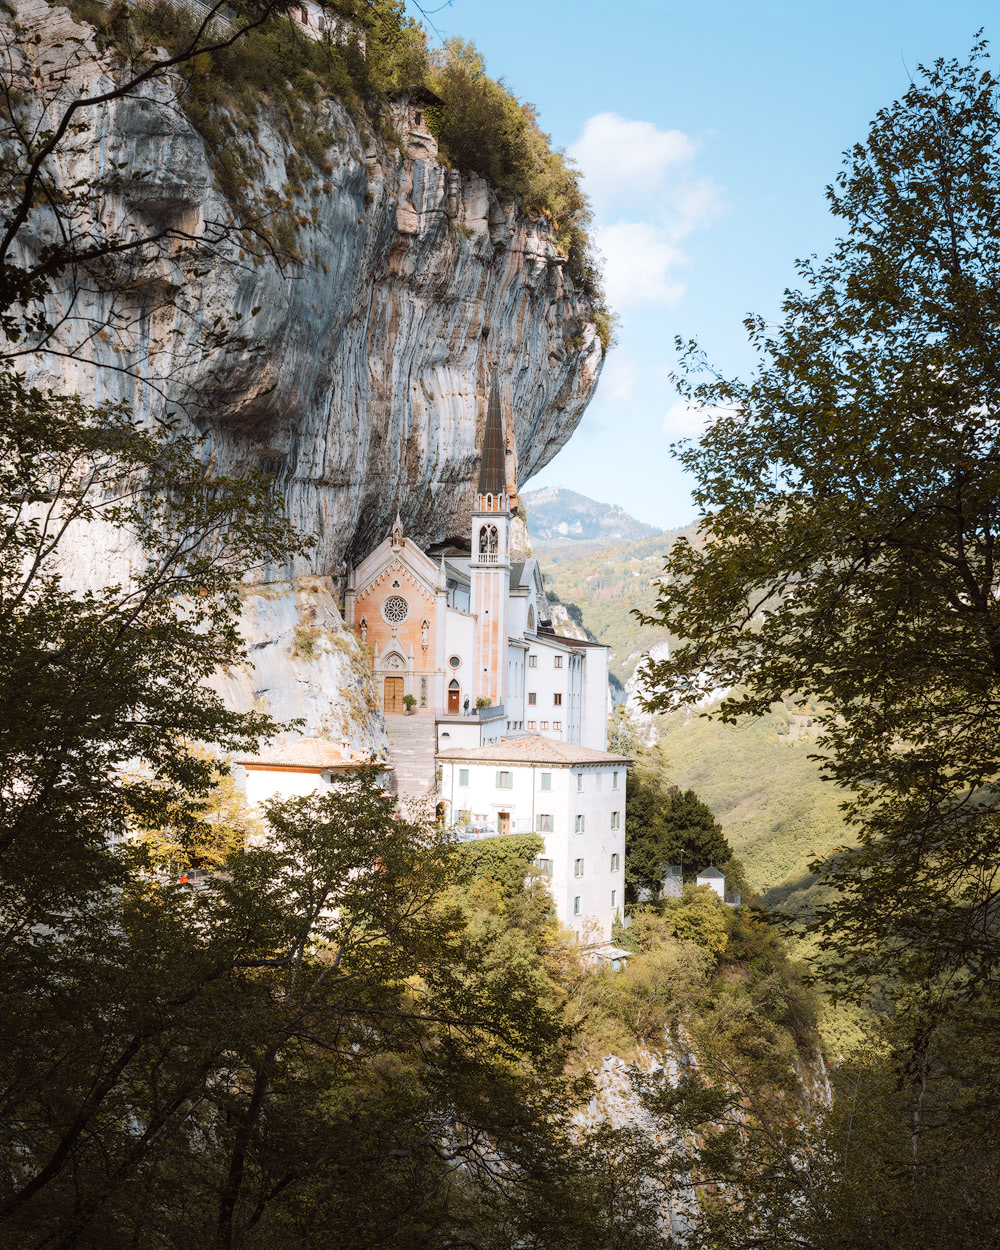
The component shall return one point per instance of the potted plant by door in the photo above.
(409, 703)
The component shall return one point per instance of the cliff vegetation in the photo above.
(276, 71)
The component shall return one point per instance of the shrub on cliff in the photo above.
(484, 128)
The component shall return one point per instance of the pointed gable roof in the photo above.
(493, 465)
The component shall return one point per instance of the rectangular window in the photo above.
(615, 861)
(504, 781)
(532, 698)
(545, 781)
(576, 911)
(615, 818)
(543, 724)
(557, 700)
(579, 824)
(531, 724)
(544, 866)
(557, 662)
(463, 776)
(423, 692)
(557, 724)
(532, 661)
(544, 823)
(614, 781)
(577, 867)
(614, 894)
(579, 783)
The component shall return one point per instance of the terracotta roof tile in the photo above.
(303, 753)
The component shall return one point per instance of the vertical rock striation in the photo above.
(362, 380)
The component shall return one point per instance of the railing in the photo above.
(473, 831)
(493, 712)
(488, 557)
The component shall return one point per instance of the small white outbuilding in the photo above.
(713, 877)
(296, 768)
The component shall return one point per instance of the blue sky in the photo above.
(706, 134)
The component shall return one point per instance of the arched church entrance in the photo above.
(392, 699)
(454, 694)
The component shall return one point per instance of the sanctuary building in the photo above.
(467, 635)
(508, 717)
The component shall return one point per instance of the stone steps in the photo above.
(412, 740)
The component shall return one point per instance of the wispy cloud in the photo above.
(684, 420)
(647, 198)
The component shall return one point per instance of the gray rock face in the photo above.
(363, 380)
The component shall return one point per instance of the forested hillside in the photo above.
(603, 583)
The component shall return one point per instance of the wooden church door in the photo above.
(453, 696)
(393, 700)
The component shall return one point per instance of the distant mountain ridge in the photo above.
(555, 512)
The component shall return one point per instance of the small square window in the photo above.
(544, 823)
(544, 866)
(579, 823)
(543, 724)
(557, 724)
(531, 724)
(558, 661)
(576, 911)
(615, 861)
(557, 699)
(504, 781)
(545, 781)
(532, 661)
(577, 867)
(615, 820)
(532, 698)
(463, 776)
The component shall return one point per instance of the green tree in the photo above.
(850, 491)
(313, 1045)
(663, 826)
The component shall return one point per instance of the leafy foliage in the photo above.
(484, 128)
(665, 825)
(503, 861)
(852, 490)
(94, 679)
(850, 498)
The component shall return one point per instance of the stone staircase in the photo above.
(411, 755)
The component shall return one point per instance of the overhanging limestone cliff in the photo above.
(361, 385)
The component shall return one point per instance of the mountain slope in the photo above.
(555, 512)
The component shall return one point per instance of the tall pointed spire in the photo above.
(493, 465)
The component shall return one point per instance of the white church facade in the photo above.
(465, 635)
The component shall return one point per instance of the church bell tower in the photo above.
(490, 564)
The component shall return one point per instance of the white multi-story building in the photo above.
(572, 796)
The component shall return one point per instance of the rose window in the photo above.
(395, 609)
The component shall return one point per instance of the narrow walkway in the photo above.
(411, 755)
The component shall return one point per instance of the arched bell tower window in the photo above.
(489, 542)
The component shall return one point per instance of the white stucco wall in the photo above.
(277, 783)
(460, 633)
(594, 718)
(526, 801)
